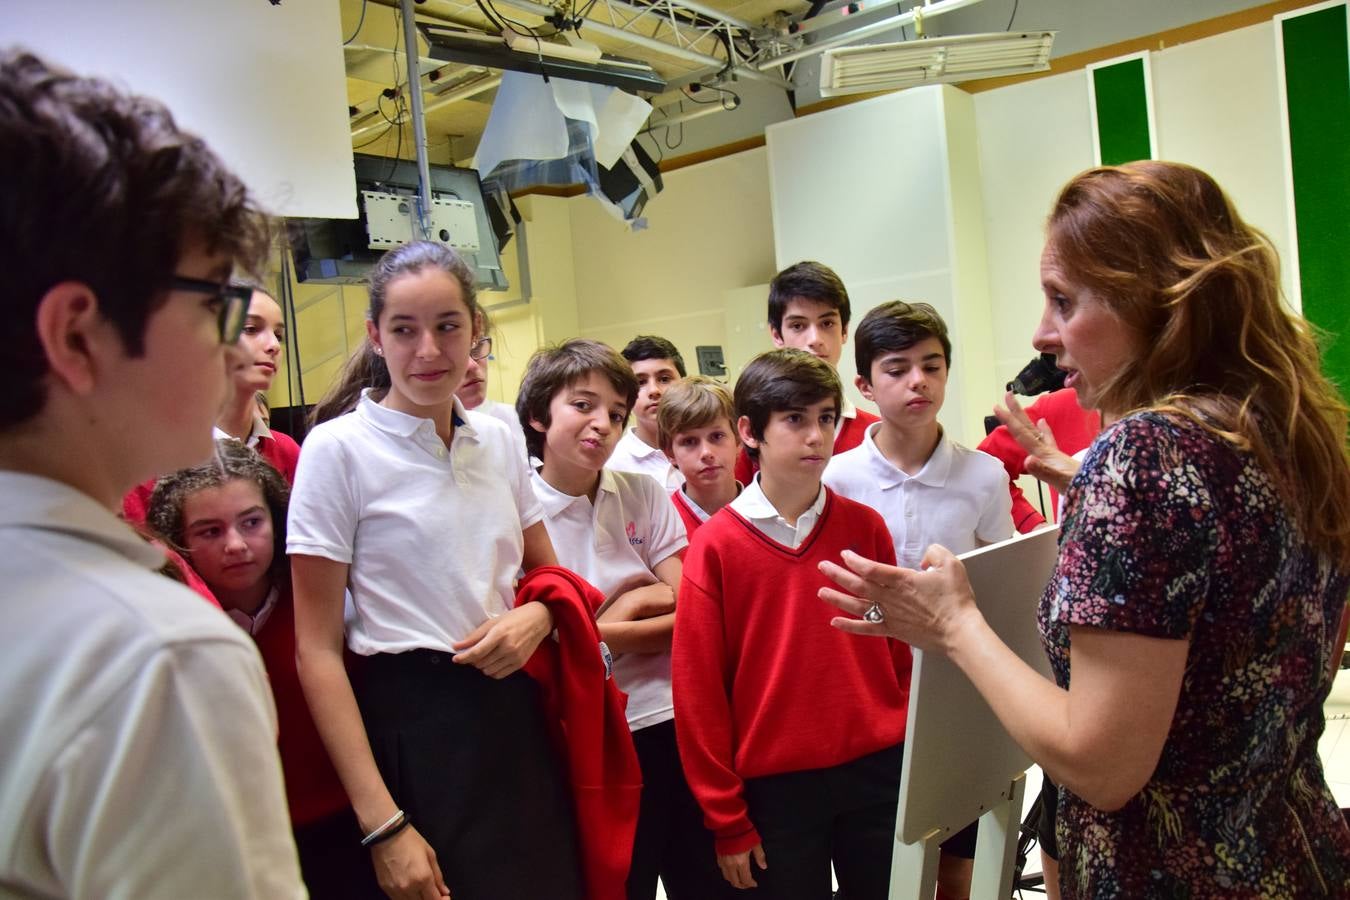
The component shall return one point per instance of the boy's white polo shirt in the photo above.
(757, 508)
(136, 723)
(614, 544)
(959, 499)
(633, 454)
(433, 534)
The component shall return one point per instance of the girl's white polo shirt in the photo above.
(614, 544)
(433, 534)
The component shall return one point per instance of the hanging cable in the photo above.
(359, 23)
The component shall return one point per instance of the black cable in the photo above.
(398, 148)
(382, 134)
(400, 107)
(1013, 16)
(359, 22)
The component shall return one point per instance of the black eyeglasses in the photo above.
(234, 299)
(481, 348)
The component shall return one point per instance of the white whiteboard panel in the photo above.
(862, 188)
(263, 84)
(959, 761)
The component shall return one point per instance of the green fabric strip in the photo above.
(1122, 112)
(1317, 85)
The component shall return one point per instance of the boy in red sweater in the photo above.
(697, 431)
(809, 310)
(791, 738)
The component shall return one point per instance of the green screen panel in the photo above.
(1317, 85)
(1122, 112)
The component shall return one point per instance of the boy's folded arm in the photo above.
(650, 635)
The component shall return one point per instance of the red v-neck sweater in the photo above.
(687, 515)
(762, 683)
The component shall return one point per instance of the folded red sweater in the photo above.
(585, 711)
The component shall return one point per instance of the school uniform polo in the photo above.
(138, 752)
(756, 509)
(959, 499)
(615, 544)
(633, 454)
(433, 534)
(504, 412)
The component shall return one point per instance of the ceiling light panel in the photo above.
(933, 60)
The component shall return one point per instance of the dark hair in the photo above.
(233, 462)
(783, 379)
(365, 368)
(1163, 248)
(897, 325)
(552, 369)
(649, 346)
(809, 280)
(101, 187)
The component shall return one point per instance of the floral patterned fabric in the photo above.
(1170, 532)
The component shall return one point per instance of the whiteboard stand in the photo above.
(959, 764)
(914, 867)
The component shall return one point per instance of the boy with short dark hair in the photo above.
(696, 423)
(619, 531)
(658, 365)
(809, 310)
(791, 736)
(127, 695)
(929, 489)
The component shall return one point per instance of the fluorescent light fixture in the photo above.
(933, 60)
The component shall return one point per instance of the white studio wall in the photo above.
(263, 84)
(887, 193)
(1033, 138)
(1217, 108)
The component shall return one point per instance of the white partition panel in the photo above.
(263, 83)
(887, 193)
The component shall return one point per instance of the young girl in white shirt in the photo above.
(425, 514)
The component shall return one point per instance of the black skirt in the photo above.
(468, 758)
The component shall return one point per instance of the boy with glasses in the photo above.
(138, 737)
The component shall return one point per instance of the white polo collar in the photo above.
(421, 431)
(555, 501)
(753, 504)
(32, 501)
(934, 472)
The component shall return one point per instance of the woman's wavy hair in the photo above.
(1162, 246)
(232, 462)
(365, 368)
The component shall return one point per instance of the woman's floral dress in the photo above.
(1170, 532)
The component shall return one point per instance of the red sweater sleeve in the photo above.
(704, 727)
(1074, 429)
(1001, 445)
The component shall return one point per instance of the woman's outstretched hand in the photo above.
(925, 608)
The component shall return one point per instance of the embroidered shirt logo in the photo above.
(633, 537)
